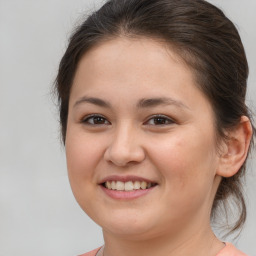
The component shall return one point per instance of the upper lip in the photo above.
(125, 178)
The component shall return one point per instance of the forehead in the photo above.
(130, 50)
(130, 58)
(117, 45)
(130, 68)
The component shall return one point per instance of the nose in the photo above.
(124, 147)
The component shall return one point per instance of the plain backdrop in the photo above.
(38, 214)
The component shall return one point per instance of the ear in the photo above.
(235, 150)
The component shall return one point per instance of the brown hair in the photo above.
(201, 35)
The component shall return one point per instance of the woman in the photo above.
(154, 121)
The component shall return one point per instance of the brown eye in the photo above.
(95, 120)
(160, 120)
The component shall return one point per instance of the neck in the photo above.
(201, 242)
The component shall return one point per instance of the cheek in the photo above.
(187, 170)
(185, 159)
(82, 155)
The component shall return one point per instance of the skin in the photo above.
(178, 153)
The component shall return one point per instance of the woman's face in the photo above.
(140, 142)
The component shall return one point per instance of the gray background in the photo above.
(38, 214)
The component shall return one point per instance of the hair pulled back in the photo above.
(205, 39)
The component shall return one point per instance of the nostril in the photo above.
(124, 148)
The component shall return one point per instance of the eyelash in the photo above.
(94, 117)
(164, 118)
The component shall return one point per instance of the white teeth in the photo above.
(136, 185)
(119, 185)
(143, 184)
(108, 184)
(128, 185)
(113, 185)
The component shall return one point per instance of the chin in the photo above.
(129, 225)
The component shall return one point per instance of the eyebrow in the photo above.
(142, 103)
(153, 102)
(92, 100)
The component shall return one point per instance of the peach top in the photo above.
(228, 250)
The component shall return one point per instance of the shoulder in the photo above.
(230, 250)
(91, 253)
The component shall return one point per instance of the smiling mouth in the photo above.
(128, 185)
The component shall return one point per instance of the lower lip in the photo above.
(126, 194)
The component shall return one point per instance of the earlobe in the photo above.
(236, 148)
